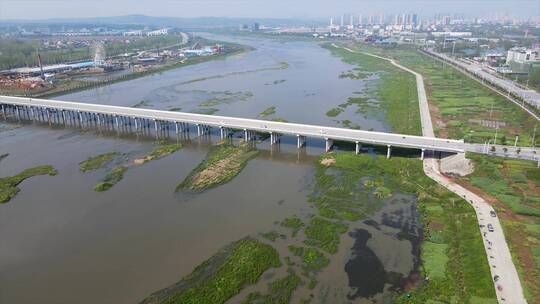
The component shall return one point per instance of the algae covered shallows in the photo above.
(8, 184)
(222, 276)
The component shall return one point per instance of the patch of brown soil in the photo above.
(328, 161)
(436, 226)
(140, 161)
(437, 119)
(216, 170)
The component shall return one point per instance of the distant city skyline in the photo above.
(299, 9)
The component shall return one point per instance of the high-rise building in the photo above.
(414, 19)
(381, 18)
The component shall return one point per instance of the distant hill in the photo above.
(197, 22)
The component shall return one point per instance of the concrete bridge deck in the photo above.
(264, 126)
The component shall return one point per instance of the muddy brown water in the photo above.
(62, 242)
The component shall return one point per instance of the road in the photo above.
(497, 251)
(529, 96)
(265, 126)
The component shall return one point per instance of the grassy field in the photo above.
(221, 165)
(8, 184)
(222, 276)
(513, 187)
(461, 107)
(396, 92)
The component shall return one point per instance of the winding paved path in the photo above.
(497, 251)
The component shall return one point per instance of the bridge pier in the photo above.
(274, 138)
(357, 150)
(423, 154)
(300, 141)
(388, 151)
(328, 145)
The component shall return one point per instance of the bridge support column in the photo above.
(423, 154)
(246, 135)
(221, 133)
(156, 126)
(388, 151)
(357, 150)
(116, 122)
(198, 130)
(4, 112)
(329, 144)
(136, 124)
(272, 138)
(79, 116)
(18, 114)
(300, 141)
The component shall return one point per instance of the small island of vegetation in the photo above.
(221, 165)
(8, 184)
(222, 276)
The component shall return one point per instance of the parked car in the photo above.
(490, 228)
(493, 214)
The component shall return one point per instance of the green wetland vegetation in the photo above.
(8, 184)
(452, 256)
(348, 188)
(223, 275)
(279, 291)
(111, 178)
(97, 162)
(513, 187)
(268, 111)
(223, 162)
(396, 91)
(116, 174)
(464, 108)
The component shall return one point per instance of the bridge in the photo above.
(154, 121)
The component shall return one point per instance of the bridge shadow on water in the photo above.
(285, 149)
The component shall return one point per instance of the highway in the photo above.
(508, 287)
(530, 96)
(311, 131)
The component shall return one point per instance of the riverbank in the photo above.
(460, 107)
(394, 95)
(66, 86)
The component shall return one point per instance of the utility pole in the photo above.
(534, 135)
(453, 47)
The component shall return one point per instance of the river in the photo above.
(62, 242)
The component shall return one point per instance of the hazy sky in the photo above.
(42, 9)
